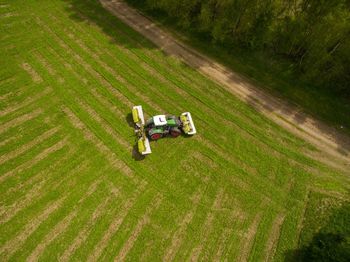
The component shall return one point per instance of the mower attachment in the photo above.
(188, 125)
(143, 144)
(137, 115)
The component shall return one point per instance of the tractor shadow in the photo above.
(136, 155)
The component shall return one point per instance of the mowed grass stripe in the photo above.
(274, 234)
(119, 79)
(145, 219)
(87, 66)
(72, 200)
(115, 224)
(63, 224)
(28, 146)
(207, 227)
(84, 232)
(179, 234)
(12, 245)
(92, 113)
(52, 234)
(32, 99)
(103, 207)
(28, 194)
(42, 155)
(19, 120)
(248, 238)
(110, 155)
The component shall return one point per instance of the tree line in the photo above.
(312, 35)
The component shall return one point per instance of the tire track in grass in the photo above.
(20, 120)
(41, 156)
(12, 245)
(207, 226)
(115, 224)
(129, 243)
(86, 230)
(28, 101)
(20, 150)
(221, 244)
(33, 74)
(274, 235)
(248, 238)
(181, 231)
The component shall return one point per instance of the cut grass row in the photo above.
(191, 197)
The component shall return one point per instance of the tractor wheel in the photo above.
(175, 132)
(156, 136)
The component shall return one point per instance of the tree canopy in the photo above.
(313, 35)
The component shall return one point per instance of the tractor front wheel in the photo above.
(175, 132)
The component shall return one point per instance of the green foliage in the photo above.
(325, 234)
(312, 35)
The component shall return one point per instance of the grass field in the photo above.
(71, 187)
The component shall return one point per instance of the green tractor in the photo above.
(160, 126)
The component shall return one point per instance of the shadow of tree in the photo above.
(92, 12)
(330, 243)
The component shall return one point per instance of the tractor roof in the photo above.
(159, 120)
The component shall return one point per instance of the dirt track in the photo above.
(334, 146)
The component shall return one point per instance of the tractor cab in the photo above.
(160, 120)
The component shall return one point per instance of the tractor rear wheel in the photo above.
(156, 136)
